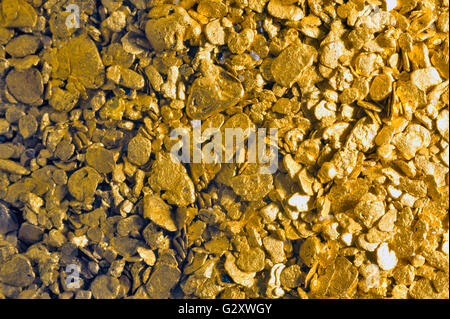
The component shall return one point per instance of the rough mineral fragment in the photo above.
(442, 124)
(381, 87)
(101, 159)
(113, 109)
(28, 126)
(64, 100)
(169, 26)
(116, 21)
(331, 52)
(147, 255)
(23, 45)
(291, 276)
(17, 272)
(275, 248)
(83, 183)
(212, 8)
(26, 86)
(309, 250)
(212, 94)
(425, 78)
(240, 277)
(163, 278)
(369, 209)
(362, 137)
(169, 175)
(344, 279)
(78, 57)
(125, 246)
(251, 261)
(300, 202)
(386, 258)
(422, 289)
(92, 91)
(8, 222)
(215, 33)
(17, 14)
(13, 167)
(159, 212)
(288, 11)
(252, 187)
(139, 150)
(125, 77)
(30, 234)
(289, 65)
(413, 139)
(105, 287)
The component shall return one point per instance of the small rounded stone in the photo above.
(26, 86)
(139, 150)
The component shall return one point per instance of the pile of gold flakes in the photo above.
(93, 206)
